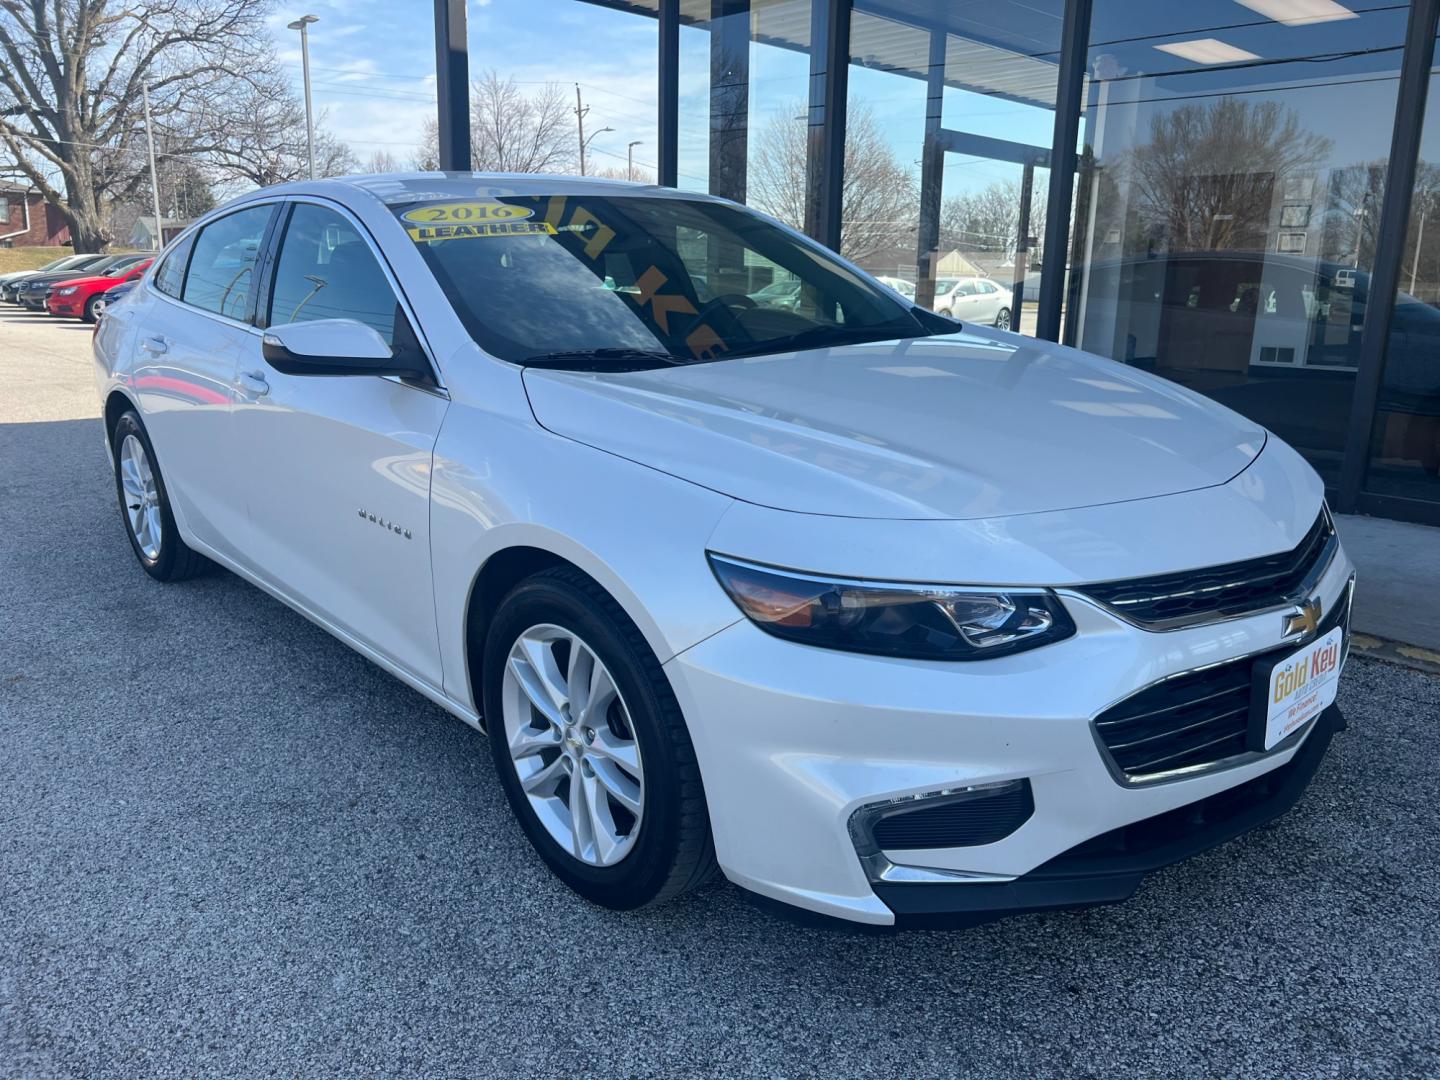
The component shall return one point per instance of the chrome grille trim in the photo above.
(1221, 592)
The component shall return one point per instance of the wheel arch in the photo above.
(117, 404)
(501, 571)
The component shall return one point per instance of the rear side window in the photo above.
(172, 271)
(222, 268)
(326, 270)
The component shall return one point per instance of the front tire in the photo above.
(1002, 319)
(90, 314)
(145, 506)
(591, 747)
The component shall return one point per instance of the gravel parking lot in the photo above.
(229, 846)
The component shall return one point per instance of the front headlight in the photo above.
(67, 291)
(921, 622)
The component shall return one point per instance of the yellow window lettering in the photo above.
(603, 233)
(705, 343)
(661, 305)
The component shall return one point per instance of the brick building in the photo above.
(26, 219)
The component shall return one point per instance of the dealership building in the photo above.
(1233, 194)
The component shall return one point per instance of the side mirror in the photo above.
(338, 347)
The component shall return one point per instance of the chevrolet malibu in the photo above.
(884, 617)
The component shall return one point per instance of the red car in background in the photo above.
(76, 297)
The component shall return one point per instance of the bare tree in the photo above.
(382, 161)
(879, 198)
(641, 175)
(257, 135)
(1209, 173)
(989, 219)
(510, 130)
(70, 88)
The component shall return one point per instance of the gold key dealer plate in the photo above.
(1293, 690)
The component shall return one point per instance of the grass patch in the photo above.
(29, 258)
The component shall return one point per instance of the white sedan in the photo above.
(883, 619)
(976, 300)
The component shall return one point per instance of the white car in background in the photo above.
(976, 300)
(900, 285)
(891, 621)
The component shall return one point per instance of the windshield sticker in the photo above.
(453, 213)
(424, 233)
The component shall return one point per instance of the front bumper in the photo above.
(64, 307)
(793, 740)
(1110, 867)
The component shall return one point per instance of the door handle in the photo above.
(154, 345)
(254, 382)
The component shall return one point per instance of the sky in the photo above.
(372, 70)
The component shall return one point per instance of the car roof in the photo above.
(399, 188)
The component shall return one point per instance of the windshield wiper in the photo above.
(609, 359)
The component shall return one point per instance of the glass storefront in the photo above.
(948, 126)
(1229, 193)
(1405, 442)
(1223, 200)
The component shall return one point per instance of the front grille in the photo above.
(1197, 718)
(1217, 592)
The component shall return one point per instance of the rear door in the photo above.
(337, 469)
(188, 347)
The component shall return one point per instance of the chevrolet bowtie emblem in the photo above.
(1305, 619)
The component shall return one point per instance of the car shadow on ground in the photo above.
(216, 809)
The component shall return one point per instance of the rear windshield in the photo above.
(635, 281)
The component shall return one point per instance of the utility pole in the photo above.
(580, 112)
(630, 160)
(303, 25)
(159, 237)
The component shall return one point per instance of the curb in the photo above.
(1395, 652)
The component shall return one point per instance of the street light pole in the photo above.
(154, 181)
(630, 160)
(302, 24)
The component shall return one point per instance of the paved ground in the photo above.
(228, 846)
(1398, 561)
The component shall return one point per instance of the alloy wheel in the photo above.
(1002, 321)
(142, 497)
(572, 744)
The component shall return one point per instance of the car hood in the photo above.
(967, 425)
(54, 276)
(95, 279)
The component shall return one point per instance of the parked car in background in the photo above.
(976, 300)
(33, 291)
(109, 296)
(11, 281)
(888, 619)
(900, 285)
(62, 263)
(779, 295)
(77, 297)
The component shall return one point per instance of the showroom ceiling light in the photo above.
(1207, 51)
(1299, 12)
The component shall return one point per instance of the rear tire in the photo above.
(1002, 319)
(145, 506)
(648, 855)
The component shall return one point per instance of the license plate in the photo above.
(1297, 688)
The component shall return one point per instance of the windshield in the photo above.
(607, 281)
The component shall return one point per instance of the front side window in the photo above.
(171, 274)
(326, 270)
(222, 268)
(605, 280)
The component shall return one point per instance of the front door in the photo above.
(338, 468)
(190, 341)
